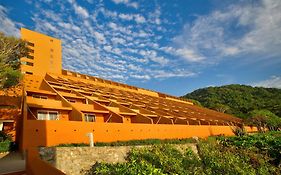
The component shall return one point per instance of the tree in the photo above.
(11, 50)
(220, 107)
(195, 102)
(264, 119)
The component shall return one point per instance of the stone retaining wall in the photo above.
(75, 160)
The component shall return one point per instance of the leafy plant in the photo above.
(5, 146)
(264, 119)
(158, 159)
(11, 50)
(268, 144)
(4, 136)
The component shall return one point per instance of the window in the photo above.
(30, 73)
(39, 96)
(30, 44)
(30, 50)
(27, 63)
(30, 57)
(89, 117)
(71, 100)
(47, 115)
(51, 40)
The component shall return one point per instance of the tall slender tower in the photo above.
(45, 54)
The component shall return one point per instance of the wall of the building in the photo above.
(49, 133)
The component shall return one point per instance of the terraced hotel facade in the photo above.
(61, 106)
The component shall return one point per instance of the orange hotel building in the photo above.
(61, 106)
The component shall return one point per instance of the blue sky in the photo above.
(173, 47)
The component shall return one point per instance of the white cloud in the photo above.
(107, 48)
(126, 16)
(50, 26)
(108, 13)
(8, 26)
(174, 73)
(134, 67)
(51, 15)
(99, 37)
(136, 17)
(117, 51)
(142, 77)
(113, 26)
(159, 59)
(139, 18)
(127, 3)
(116, 40)
(155, 16)
(272, 82)
(189, 54)
(80, 11)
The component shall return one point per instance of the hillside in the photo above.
(238, 99)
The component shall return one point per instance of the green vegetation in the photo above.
(268, 144)
(73, 145)
(146, 142)
(158, 159)
(239, 100)
(264, 119)
(133, 142)
(249, 154)
(5, 146)
(5, 142)
(11, 50)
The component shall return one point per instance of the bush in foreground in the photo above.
(155, 160)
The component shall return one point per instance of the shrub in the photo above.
(268, 144)
(4, 136)
(133, 142)
(221, 161)
(239, 131)
(5, 146)
(72, 145)
(146, 142)
(158, 159)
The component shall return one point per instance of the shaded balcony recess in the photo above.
(98, 99)
(42, 92)
(54, 83)
(89, 108)
(71, 95)
(46, 103)
(96, 111)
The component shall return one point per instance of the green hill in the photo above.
(237, 99)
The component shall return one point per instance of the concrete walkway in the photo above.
(11, 162)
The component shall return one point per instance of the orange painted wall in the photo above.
(49, 133)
